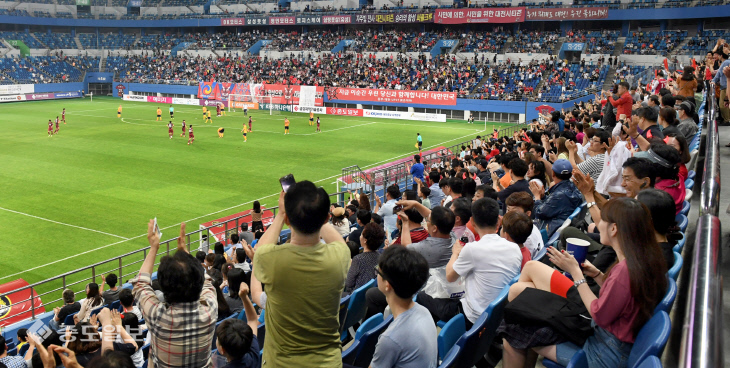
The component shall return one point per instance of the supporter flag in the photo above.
(694, 64)
(666, 65)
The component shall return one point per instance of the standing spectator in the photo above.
(417, 170)
(594, 164)
(721, 80)
(303, 279)
(687, 83)
(93, 300)
(436, 194)
(362, 268)
(180, 329)
(436, 247)
(624, 103)
(236, 276)
(256, 223)
(112, 295)
(70, 306)
(401, 273)
(386, 210)
(235, 244)
(517, 171)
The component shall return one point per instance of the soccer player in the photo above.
(223, 108)
(471, 118)
(209, 119)
(318, 129)
(56, 125)
(220, 132)
(172, 112)
(286, 125)
(218, 110)
(119, 111)
(419, 141)
(311, 118)
(159, 114)
(250, 127)
(183, 129)
(50, 128)
(191, 136)
(245, 110)
(63, 115)
(169, 128)
(205, 111)
(245, 131)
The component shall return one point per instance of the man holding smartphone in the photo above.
(303, 278)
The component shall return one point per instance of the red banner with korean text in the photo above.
(483, 15)
(566, 13)
(392, 95)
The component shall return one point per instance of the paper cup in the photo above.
(578, 248)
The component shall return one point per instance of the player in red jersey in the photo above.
(50, 128)
(218, 110)
(250, 120)
(191, 136)
(183, 129)
(318, 129)
(56, 125)
(63, 115)
(169, 128)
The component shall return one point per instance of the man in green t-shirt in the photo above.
(304, 280)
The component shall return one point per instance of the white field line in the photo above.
(63, 223)
(217, 212)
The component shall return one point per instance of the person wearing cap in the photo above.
(687, 125)
(554, 207)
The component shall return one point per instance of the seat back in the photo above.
(344, 302)
(368, 340)
(665, 305)
(356, 308)
(651, 362)
(651, 339)
(542, 252)
(69, 320)
(689, 183)
(349, 354)
(451, 357)
(673, 272)
(685, 208)
(451, 332)
(682, 222)
(475, 343)
(544, 234)
(680, 244)
(115, 305)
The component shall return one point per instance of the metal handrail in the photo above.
(702, 328)
(99, 268)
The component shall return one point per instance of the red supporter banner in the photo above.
(164, 100)
(17, 306)
(566, 13)
(486, 15)
(233, 21)
(282, 21)
(336, 19)
(391, 95)
(344, 111)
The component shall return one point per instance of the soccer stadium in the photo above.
(363, 183)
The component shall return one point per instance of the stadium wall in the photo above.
(59, 87)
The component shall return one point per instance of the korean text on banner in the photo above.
(393, 96)
(484, 15)
(566, 13)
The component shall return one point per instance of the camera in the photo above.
(397, 208)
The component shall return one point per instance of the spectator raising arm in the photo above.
(271, 236)
(154, 240)
(252, 319)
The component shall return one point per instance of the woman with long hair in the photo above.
(93, 300)
(667, 233)
(538, 173)
(340, 221)
(364, 202)
(668, 121)
(562, 149)
(256, 213)
(630, 289)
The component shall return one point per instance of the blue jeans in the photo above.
(603, 350)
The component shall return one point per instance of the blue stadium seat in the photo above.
(680, 244)
(674, 271)
(579, 360)
(689, 184)
(685, 208)
(651, 362)
(69, 321)
(542, 252)
(451, 332)
(361, 351)
(691, 174)
(544, 234)
(115, 305)
(665, 305)
(651, 340)
(356, 308)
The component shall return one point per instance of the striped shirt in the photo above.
(593, 166)
(181, 333)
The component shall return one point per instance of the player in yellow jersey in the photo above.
(119, 111)
(286, 125)
(159, 114)
(311, 118)
(220, 132)
(209, 119)
(245, 131)
(205, 113)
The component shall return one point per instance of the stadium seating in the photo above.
(653, 43)
(528, 42)
(27, 39)
(484, 42)
(56, 40)
(665, 305)
(361, 351)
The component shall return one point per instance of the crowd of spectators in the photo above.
(469, 229)
(484, 41)
(597, 42)
(534, 42)
(653, 43)
(513, 81)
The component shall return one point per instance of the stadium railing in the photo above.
(126, 266)
(697, 341)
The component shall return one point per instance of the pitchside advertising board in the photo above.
(275, 93)
(39, 96)
(16, 89)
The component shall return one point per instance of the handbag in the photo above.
(543, 308)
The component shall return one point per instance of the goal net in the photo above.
(253, 102)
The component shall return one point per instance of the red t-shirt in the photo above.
(417, 235)
(675, 188)
(615, 309)
(526, 256)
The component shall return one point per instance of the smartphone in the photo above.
(464, 240)
(286, 182)
(397, 209)
(157, 229)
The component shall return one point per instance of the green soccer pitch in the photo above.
(86, 194)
